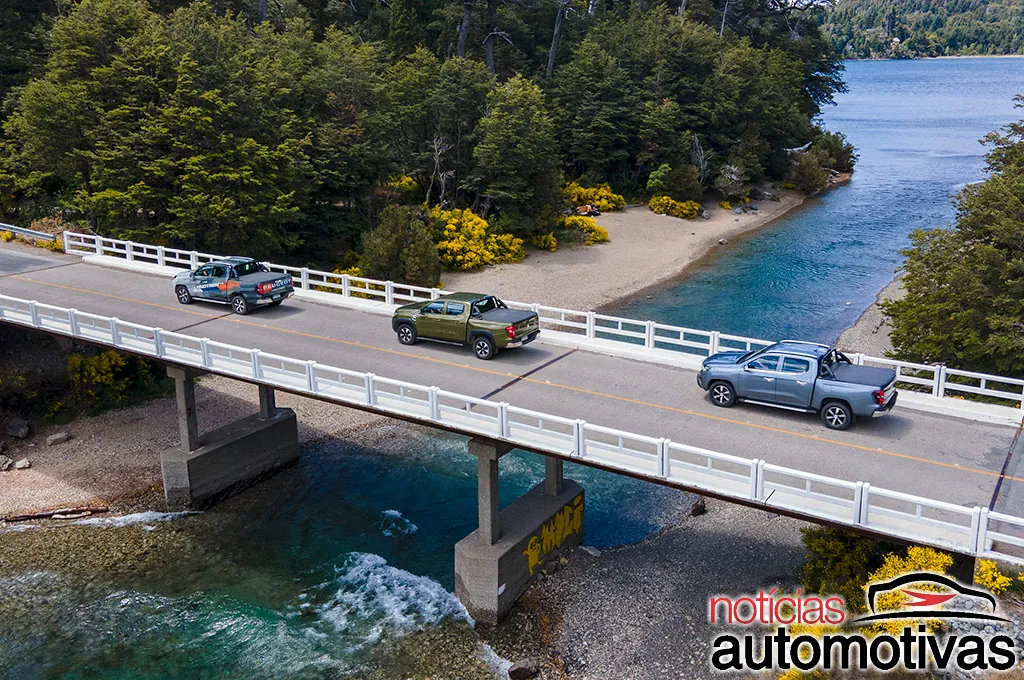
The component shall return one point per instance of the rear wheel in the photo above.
(184, 297)
(406, 334)
(722, 394)
(836, 415)
(239, 305)
(483, 347)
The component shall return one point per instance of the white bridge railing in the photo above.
(974, 531)
(937, 380)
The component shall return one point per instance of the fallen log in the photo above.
(59, 513)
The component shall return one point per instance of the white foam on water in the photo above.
(497, 665)
(370, 598)
(135, 518)
(392, 523)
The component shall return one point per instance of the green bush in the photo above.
(839, 562)
(810, 171)
(837, 149)
(680, 184)
(401, 248)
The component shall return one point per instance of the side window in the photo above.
(434, 308)
(204, 271)
(455, 309)
(220, 271)
(769, 362)
(791, 365)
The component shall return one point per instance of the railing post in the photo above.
(33, 313)
(865, 505)
(371, 392)
(254, 359)
(304, 279)
(760, 480)
(649, 336)
(503, 430)
(73, 320)
(591, 325)
(204, 350)
(714, 341)
(754, 468)
(858, 493)
(345, 286)
(982, 544)
(435, 293)
(113, 329)
(128, 253)
(939, 388)
(99, 244)
(581, 438)
(664, 458)
(65, 237)
(193, 259)
(975, 527)
(435, 403)
(311, 376)
(859, 358)
(161, 256)
(389, 292)
(158, 341)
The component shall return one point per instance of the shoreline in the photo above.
(870, 333)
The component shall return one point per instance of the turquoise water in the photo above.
(311, 574)
(916, 126)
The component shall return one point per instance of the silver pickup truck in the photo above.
(800, 376)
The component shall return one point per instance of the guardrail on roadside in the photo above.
(962, 529)
(31, 233)
(937, 380)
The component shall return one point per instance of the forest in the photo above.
(293, 129)
(883, 29)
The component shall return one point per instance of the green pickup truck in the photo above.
(483, 321)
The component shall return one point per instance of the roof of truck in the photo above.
(813, 349)
(465, 297)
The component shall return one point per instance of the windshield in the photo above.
(247, 268)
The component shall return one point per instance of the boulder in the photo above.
(57, 438)
(527, 668)
(723, 241)
(17, 428)
(22, 464)
(699, 508)
(769, 196)
(5, 463)
(738, 211)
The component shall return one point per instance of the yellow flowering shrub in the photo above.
(725, 205)
(600, 196)
(987, 575)
(351, 271)
(592, 231)
(663, 205)
(466, 241)
(916, 559)
(99, 375)
(545, 242)
(56, 245)
(6, 236)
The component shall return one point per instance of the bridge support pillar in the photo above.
(203, 469)
(495, 564)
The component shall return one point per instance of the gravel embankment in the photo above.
(870, 334)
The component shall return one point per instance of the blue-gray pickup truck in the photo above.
(800, 376)
(240, 282)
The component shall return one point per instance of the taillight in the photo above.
(879, 396)
(264, 288)
(290, 280)
(511, 331)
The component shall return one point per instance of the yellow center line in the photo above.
(581, 390)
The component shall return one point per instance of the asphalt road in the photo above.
(949, 459)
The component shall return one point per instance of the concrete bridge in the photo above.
(940, 473)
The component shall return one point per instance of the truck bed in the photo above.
(864, 375)
(510, 316)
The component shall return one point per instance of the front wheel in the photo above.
(239, 305)
(722, 394)
(184, 297)
(406, 334)
(483, 347)
(836, 415)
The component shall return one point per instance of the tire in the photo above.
(184, 297)
(483, 347)
(239, 305)
(722, 394)
(836, 415)
(406, 334)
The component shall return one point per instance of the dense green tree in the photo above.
(517, 157)
(401, 248)
(964, 302)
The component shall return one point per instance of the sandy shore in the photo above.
(645, 249)
(870, 334)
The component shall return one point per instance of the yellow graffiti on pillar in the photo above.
(565, 523)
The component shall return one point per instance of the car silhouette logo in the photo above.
(923, 605)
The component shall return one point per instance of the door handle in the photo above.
(801, 382)
(769, 379)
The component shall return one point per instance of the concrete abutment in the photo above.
(205, 468)
(495, 564)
